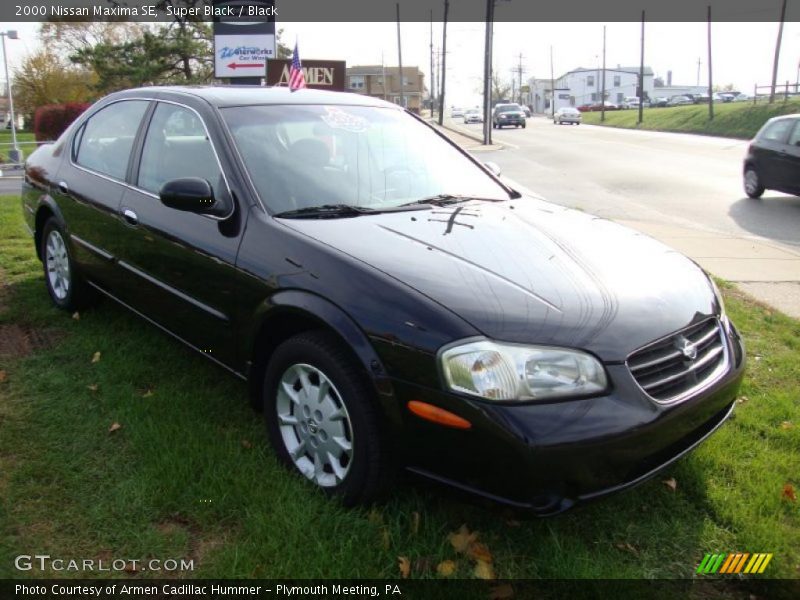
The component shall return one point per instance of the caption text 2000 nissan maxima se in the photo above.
(389, 299)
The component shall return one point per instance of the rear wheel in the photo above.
(66, 288)
(752, 183)
(322, 420)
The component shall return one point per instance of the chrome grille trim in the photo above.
(681, 364)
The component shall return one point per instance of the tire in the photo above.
(302, 427)
(524, 125)
(752, 183)
(66, 288)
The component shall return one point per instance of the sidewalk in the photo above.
(467, 139)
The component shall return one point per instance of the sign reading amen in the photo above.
(319, 74)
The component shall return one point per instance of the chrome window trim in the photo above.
(136, 188)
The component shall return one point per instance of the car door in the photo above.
(181, 265)
(769, 152)
(90, 185)
(790, 161)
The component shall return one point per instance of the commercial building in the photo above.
(384, 82)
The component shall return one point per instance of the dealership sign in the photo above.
(319, 74)
(244, 37)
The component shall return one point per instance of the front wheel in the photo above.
(66, 288)
(322, 418)
(752, 183)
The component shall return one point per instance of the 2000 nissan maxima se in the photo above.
(389, 299)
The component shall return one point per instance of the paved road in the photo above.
(682, 189)
(10, 185)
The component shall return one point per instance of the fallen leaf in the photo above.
(148, 392)
(76, 315)
(92, 387)
(789, 493)
(502, 591)
(627, 547)
(415, 523)
(671, 483)
(404, 565)
(96, 357)
(462, 539)
(375, 517)
(786, 425)
(131, 568)
(742, 399)
(484, 570)
(478, 551)
(446, 568)
(513, 523)
(3, 376)
(247, 444)
(114, 427)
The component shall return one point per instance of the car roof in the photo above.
(247, 95)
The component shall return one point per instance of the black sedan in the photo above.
(391, 302)
(773, 158)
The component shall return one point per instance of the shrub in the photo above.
(52, 120)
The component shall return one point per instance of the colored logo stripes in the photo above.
(737, 562)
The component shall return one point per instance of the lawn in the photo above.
(188, 474)
(24, 139)
(733, 119)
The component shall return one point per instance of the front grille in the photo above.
(672, 367)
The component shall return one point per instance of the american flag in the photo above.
(296, 78)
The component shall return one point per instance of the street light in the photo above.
(14, 155)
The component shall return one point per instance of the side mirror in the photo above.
(191, 194)
(493, 167)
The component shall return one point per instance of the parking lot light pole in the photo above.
(14, 155)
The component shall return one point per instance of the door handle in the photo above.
(130, 216)
(63, 187)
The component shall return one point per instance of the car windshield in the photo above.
(508, 108)
(301, 156)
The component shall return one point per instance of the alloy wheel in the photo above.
(751, 185)
(314, 425)
(57, 261)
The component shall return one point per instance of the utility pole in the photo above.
(777, 54)
(487, 74)
(431, 82)
(400, 59)
(444, 60)
(641, 77)
(552, 86)
(699, 62)
(519, 70)
(710, 85)
(603, 88)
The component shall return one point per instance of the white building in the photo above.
(583, 86)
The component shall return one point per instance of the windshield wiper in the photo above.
(325, 211)
(440, 200)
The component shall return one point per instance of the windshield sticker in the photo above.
(338, 119)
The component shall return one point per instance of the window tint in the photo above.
(177, 146)
(794, 139)
(107, 138)
(776, 132)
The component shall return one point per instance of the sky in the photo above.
(742, 53)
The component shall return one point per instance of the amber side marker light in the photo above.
(432, 413)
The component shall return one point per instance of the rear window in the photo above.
(777, 131)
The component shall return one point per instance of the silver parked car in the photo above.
(567, 114)
(473, 115)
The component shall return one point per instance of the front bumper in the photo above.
(569, 119)
(511, 121)
(548, 457)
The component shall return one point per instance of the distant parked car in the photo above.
(456, 112)
(659, 101)
(679, 101)
(773, 158)
(567, 114)
(742, 97)
(508, 114)
(473, 115)
(527, 111)
(630, 102)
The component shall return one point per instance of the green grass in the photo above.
(189, 475)
(23, 137)
(734, 119)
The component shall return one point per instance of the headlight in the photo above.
(495, 371)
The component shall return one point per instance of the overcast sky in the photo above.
(742, 52)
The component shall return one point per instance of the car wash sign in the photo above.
(244, 37)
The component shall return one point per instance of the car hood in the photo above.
(531, 272)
